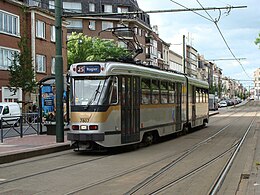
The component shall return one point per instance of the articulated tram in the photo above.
(116, 104)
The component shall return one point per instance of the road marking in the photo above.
(256, 184)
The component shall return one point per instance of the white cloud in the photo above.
(240, 28)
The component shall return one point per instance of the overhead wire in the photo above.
(220, 32)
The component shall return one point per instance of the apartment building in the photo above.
(16, 18)
(257, 83)
(191, 61)
(93, 18)
(175, 62)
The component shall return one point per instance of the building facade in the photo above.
(257, 83)
(18, 20)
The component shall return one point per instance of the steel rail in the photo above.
(224, 171)
(148, 180)
(222, 176)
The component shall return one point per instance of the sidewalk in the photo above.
(17, 148)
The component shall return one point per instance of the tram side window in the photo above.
(155, 92)
(201, 95)
(206, 96)
(164, 92)
(197, 96)
(114, 91)
(146, 91)
(171, 93)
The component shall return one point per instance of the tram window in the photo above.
(146, 96)
(197, 96)
(171, 93)
(155, 92)
(201, 96)
(146, 91)
(114, 91)
(89, 90)
(206, 96)
(164, 92)
(123, 91)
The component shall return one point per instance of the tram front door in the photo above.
(130, 109)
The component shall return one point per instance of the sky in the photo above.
(239, 27)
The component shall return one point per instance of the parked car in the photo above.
(223, 103)
(10, 113)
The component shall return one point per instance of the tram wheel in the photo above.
(148, 139)
(185, 129)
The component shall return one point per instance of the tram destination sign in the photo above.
(88, 69)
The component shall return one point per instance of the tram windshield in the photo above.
(94, 90)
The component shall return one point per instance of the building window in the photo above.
(91, 7)
(75, 24)
(53, 65)
(106, 25)
(140, 32)
(107, 8)
(6, 57)
(9, 96)
(51, 4)
(72, 7)
(9, 23)
(34, 3)
(53, 33)
(122, 9)
(40, 29)
(92, 25)
(41, 63)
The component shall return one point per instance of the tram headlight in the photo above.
(83, 127)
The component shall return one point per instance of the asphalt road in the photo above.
(175, 161)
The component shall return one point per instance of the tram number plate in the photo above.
(88, 69)
(84, 120)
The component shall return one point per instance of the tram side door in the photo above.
(193, 117)
(178, 106)
(130, 109)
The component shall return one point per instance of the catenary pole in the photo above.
(59, 73)
(184, 54)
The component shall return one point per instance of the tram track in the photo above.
(220, 178)
(51, 170)
(181, 156)
(175, 161)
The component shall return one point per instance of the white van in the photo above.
(7, 110)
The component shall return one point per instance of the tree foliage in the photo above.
(257, 41)
(21, 71)
(82, 49)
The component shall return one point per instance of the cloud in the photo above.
(239, 28)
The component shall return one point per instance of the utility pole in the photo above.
(59, 73)
(184, 54)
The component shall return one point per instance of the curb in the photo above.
(37, 151)
(214, 113)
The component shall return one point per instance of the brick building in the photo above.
(15, 18)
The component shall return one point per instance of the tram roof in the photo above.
(198, 83)
(117, 68)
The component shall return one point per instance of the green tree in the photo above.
(21, 71)
(257, 41)
(82, 49)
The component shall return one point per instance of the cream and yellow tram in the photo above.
(115, 104)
